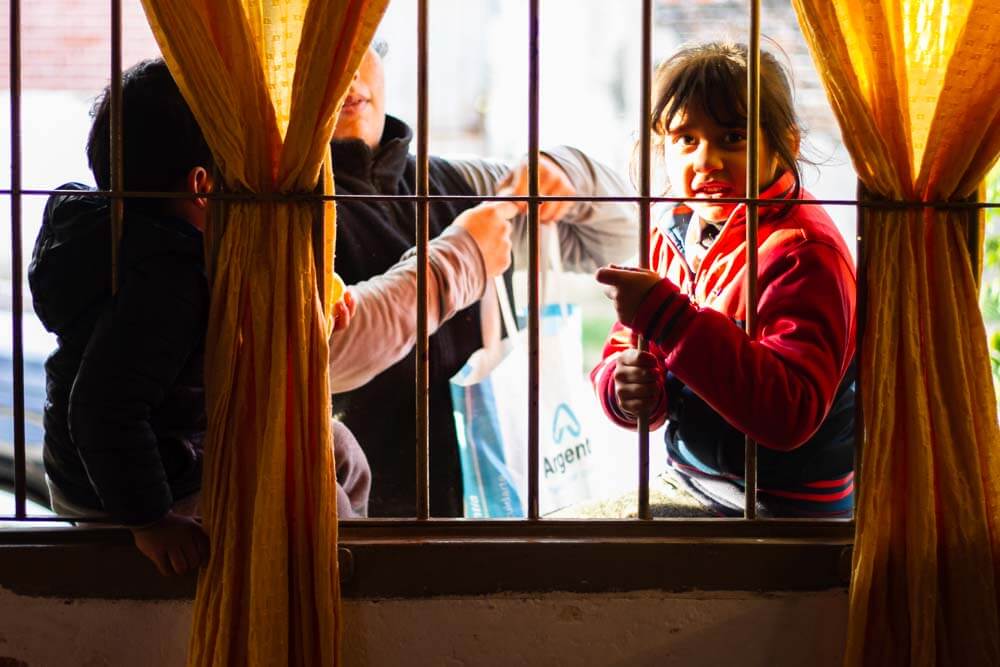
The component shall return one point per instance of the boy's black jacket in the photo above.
(125, 412)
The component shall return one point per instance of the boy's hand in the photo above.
(552, 182)
(176, 544)
(343, 311)
(627, 287)
(638, 382)
(489, 225)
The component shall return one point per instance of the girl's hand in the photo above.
(638, 382)
(627, 287)
(343, 311)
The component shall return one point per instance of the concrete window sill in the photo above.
(410, 559)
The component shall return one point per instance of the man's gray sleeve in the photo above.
(384, 327)
(591, 234)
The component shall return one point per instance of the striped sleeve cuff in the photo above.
(662, 312)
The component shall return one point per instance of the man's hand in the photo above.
(627, 287)
(552, 182)
(489, 225)
(343, 311)
(176, 544)
(638, 382)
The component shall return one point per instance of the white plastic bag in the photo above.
(490, 399)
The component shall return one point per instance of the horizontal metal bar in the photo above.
(57, 519)
(305, 197)
(510, 529)
(582, 529)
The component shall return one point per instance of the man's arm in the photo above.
(591, 234)
(383, 329)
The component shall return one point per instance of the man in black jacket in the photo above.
(372, 367)
(125, 412)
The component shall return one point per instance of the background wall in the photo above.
(616, 630)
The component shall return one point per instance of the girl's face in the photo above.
(705, 161)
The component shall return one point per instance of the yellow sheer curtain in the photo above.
(265, 78)
(916, 88)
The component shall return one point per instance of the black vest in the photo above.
(371, 237)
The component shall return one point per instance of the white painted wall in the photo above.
(614, 630)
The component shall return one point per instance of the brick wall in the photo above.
(66, 44)
(709, 20)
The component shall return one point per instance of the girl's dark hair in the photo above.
(161, 140)
(714, 77)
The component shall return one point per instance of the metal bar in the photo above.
(634, 199)
(534, 264)
(752, 191)
(423, 230)
(645, 190)
(574, 529)
(117, 158)
(17, 306)
(975, 236)
(860, 318)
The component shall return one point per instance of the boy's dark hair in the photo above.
(161, 141)
(714, 77)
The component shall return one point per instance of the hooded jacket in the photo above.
(789, 387)
(371, 237)
(124, 414)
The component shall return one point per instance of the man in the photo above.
(373, 367)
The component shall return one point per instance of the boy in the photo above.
(125, 412)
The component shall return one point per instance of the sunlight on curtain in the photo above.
(265, 78)
(916, 89)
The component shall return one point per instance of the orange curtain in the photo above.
(916, 89)
(265, 79)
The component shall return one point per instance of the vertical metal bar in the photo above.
(976, 228)
(117, 161)
(423, 230)
(860, 317)
(645, 168)
(753, 191)
(534, 265)
(20, 481)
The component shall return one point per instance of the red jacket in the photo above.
(778, 385)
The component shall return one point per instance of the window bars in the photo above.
(531, 528)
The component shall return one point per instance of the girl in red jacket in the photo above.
(790, 384)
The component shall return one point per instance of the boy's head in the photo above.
(162, 145)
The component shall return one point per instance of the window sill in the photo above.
(410, 559)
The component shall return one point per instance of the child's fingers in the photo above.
(520, 207)
(504, 209)
(610, 275)
(341, 316)
(637, 359)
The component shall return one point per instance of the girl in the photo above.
(789, 386)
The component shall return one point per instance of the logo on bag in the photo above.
(566, 433)
(564, 422)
